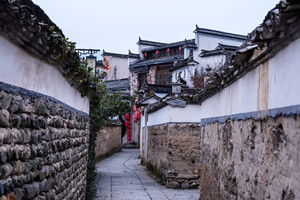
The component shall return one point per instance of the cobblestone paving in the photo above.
(121, 177)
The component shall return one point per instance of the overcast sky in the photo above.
(115, 25)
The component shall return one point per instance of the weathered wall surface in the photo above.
(43, 147)
(173, 150)
(250, 133)
(251, 159)
(21, 69)
(119, 68)
(183, 148)
(157, 148)
(108, 140)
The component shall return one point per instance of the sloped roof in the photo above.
(163, 60)
(26, 25)
(219, 33)
(150, 43)
(280, 27)
(221, 49)
(120, 84)
(188, 43)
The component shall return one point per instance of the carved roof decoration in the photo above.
(280, 27)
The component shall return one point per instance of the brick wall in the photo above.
(43, 147)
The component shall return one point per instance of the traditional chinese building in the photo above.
(163, 63)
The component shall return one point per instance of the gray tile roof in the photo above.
(120, 84)
(157, 61)
(219, 33)
(188, 43)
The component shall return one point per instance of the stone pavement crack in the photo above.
(110, 187)
(136, 175)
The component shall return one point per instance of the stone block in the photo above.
(41, 109)
(188, 176)
(172, 185)
(16, 121)
(4, 119)
(6, 101)
(16, 104)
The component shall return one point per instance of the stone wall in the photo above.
(173, 150)
(251, 159)
(43, 147)
(108, 140)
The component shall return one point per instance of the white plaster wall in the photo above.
(214, 62)
(19, 68)
(274, 84)
(210, 42)
(189, 113)
(159, 117)
(186, 74)
(121, 64)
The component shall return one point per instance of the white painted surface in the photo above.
(119, 68)
(189, 113)
(215, 62)
(274, 84)
(19, 68)
(159, 117)
(186, 74)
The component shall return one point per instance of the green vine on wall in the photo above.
(103, 105)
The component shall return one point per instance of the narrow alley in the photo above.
(121, 177)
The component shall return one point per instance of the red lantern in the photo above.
(135, 108)
(126, 123)
(135, 119)
(168, 50)
(137, 115)
(145, 54)
(157, 52)
(136, 101)
(127, 116)
(180, 48)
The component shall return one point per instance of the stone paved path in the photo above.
(121, 177)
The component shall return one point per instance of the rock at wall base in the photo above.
(172, 185)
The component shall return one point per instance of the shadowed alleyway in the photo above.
(121, 177)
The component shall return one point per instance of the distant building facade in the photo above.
(163, 63)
